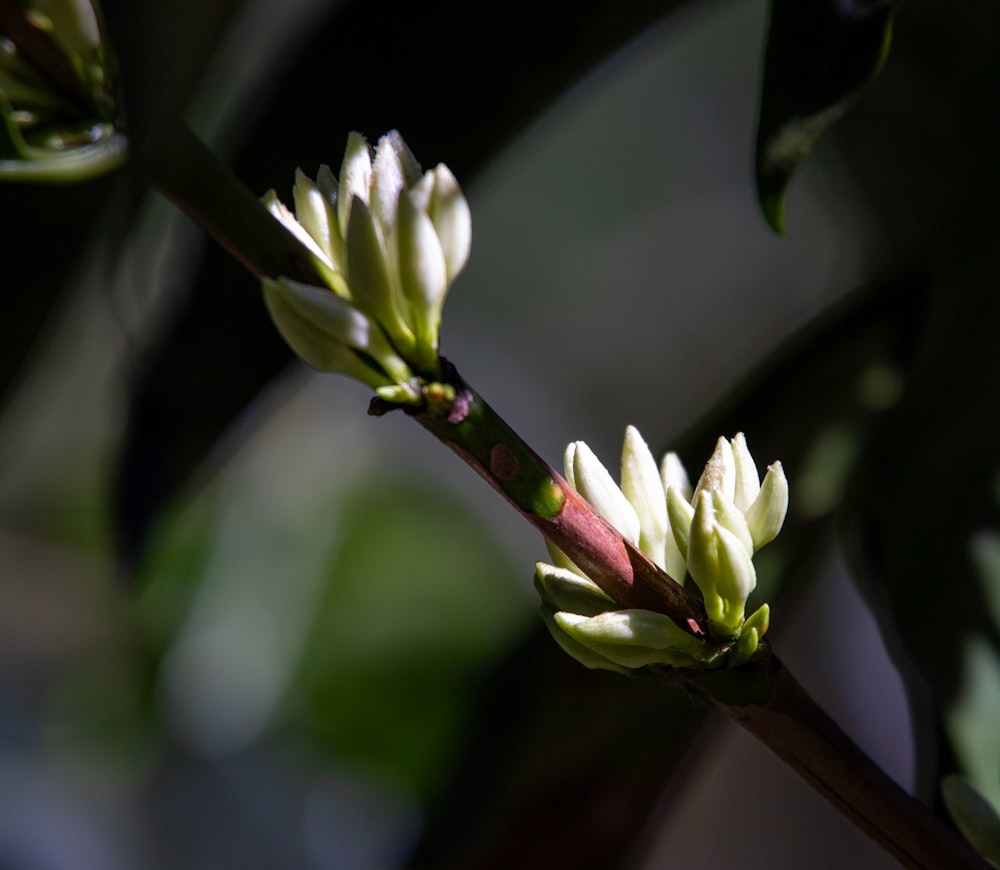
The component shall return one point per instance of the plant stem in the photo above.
(769, 703)
(763, 697)
(177, 163)
(484, 440)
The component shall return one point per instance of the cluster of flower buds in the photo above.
(710, 532)
(58, 116)
(388, 240)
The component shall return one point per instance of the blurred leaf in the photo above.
(976, 819)
(419, 598)
(820, 54)
(925, 491)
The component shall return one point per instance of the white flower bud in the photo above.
(324, 330)
(747, 478)
(642, 486)
(573, 648)
(736, 579)
(731, 518)
(593, 481)
(719, 473)
(720, 565)
(452, 220)
(395, 168)
(315, 214)
(681, 513)
(355, 178)
(368, 276)
(766, 515)
(632, 638)
(422, 271)
(673, 474)
(569, 591)
(285, 217)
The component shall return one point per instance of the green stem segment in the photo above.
(483, 439)
(204, 188)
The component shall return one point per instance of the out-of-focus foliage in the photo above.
(59, 119)
(329, 659)
(820, 54)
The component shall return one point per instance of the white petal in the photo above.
(395, 168)
(642, 486)
(766, 515)
(422, 271)
(720, 471)
(452, 219)
(314, 213)
(747, 478)
(673, 475)
(355, 178)
(596, 485)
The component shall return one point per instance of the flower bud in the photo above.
(731, 518)
(593, 481)
(452, 220)
(681, 513)
(395, 168)
(673, 474)
(321, 261)
(719, 473)
(326, 331)
(368, 277)
(632, 638)
(355, 178)
(316, 215)
(766, 515)
(747, 480)
(643, 487)
(569, 591)
(573, 648)
(423, 273)
(720, 565)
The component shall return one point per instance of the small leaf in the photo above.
(974, 815)
(820, 55)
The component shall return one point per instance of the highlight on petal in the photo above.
(395, 168)
(673, 474)
(766, 515)
(573, 648)
(314, 213)
(423, 273)
(355, 178)
(720, 471)
(452, 219)
(631, 638)
(368, 276)
(731, 518)
(593, 481)
(284, 216)
(567, 590)
(747, 478)
(681, 514)
(643, 487)
(325, 331)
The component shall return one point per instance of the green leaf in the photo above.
(820, 55)
(974, 815)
